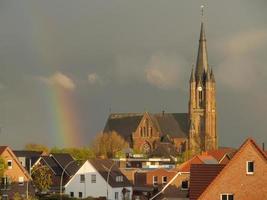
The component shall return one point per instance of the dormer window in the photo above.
(119, 178)
(250, 167)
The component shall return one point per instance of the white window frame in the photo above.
(10, 161)
(182, 188)
(93, 180)
(227, 194)
(250, 161)
(116, 195)
(21, 180)
(164, 182)
(82, 175)
(79, 195)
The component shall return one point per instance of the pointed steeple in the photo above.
(192, 77)
(202, 57)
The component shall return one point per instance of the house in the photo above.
(145, 163)
(16, 179)
(172, 183)
(99, 178)
(244, 177)
(57, 163)
(28, 158)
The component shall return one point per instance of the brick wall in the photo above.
(234, 179)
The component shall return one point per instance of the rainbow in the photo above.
(63, 117)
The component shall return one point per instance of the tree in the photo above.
(108, 144)
(81, 154)
(42, 178)
(3, 167)
(37, 147)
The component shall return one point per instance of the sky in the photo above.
(65, 65)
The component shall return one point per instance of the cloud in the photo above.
(59, 79)
(241, 68)
(94, 78)
(166, 71)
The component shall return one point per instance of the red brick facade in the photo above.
(235, 180)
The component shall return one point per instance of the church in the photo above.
(195, 131)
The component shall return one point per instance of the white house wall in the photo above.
(98, 189)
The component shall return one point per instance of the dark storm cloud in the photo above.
(128, 56)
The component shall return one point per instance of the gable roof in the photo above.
(6, 148)
(27, 154)
(220, 153)
(174, 124)
(123, 123)
(200, 177)
(198, 159)
(63, 160)
(235, 157)
(103, 166)
(2, 149)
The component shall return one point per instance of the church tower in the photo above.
(202, 102)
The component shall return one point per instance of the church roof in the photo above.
(123, 123)
(173, 124)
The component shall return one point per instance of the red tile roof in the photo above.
(236, 155)
(218, 154)
(201, 175)
(185, 167)
(2, 149)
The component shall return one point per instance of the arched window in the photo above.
(141, 131)
(144, 131)
(151, 132)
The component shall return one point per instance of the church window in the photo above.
(144, 131)
(200, 94)
(141, 131)
(151, 132)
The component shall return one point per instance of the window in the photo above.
(227, 197)
(164, 180)
(250, 167)
(155, 180)
(71, 194)
(82, 178)
(119, 178)
(116, 195)
(21, 180)
(184, 185)
(93, 178)
(4, 197)
(80, 195)
(9, 164)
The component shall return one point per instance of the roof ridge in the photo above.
(247, 141)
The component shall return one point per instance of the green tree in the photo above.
(82, 154)
(108, 144)
(42, 178)
(3, 167)
(37, 147)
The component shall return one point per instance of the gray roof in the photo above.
(123, 123)
(173, 124)
(103, 166)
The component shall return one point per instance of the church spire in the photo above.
(202, 57)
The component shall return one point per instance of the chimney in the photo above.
(263, 146)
